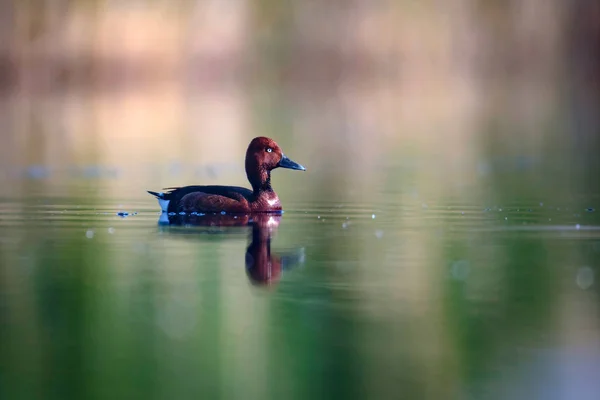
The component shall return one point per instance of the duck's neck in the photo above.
(261, 182)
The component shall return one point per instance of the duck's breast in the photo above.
(265, 202)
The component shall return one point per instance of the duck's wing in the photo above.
(211, 197)
(227, 191)
(207, 203)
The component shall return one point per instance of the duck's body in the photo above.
(262, 156)
(232, 199)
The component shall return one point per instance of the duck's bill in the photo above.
(287, 163)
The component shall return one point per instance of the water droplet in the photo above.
(460, 270)
(318, 217)
(506, 218)
(577, 226)
(111, 230)
(378, 233)
(500, 210)
(181, 212)
(171, 214)
(463, 213)
(344, 225)
(585, 277)
(541, 204)
(89, 234)
(223, 213)
(483, 168)
(372, 216)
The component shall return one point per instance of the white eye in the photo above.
(269, 150)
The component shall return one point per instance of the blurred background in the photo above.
(449, 211)
(455, 76)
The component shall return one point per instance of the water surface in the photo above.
(401, 268)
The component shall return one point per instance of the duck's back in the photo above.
(210, 198)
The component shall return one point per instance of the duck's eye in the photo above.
(269, 150)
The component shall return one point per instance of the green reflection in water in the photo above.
(416, 270)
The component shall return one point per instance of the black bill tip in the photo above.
(287, 163)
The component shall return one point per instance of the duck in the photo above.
(262, 156)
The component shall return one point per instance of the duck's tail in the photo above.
(162, 201)
(155, 194)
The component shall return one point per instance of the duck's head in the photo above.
(263, 156)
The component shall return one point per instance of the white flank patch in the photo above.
(164, 204)
(163, 219)
(272, 201)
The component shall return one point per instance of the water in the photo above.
(396, 271)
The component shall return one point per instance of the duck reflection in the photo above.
(262, 266)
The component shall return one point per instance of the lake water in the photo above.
(417, 262)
